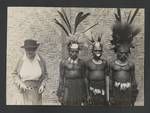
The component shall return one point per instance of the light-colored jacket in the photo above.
(42, 79)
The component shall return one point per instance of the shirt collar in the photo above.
(35, 58)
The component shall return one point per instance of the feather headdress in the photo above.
(123, 32)
(71, 31)
(96, 43)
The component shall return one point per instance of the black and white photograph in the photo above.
(75, 56)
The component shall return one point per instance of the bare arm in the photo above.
(44, 77)
(15, 74)
(60, 90)
(133, 85)
(133, 80)
(107, 81)
(110, 83)
(86, 79)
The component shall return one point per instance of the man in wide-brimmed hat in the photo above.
(30, 74)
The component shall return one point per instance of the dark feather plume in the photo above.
(99, 38)
(67, 21)
(116, 16)
(79, 18)
(58, 23)
(123, 33)
(92, 40)
(132, 18)
(136, 31)
(119, 14)
(67, 28)
(90, 28)
(128, 16)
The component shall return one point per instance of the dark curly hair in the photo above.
(123, 32)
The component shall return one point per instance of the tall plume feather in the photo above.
(79, 18)
(99, 38)
(116, 16)
(132, 18)
(58, 23)
(92, 40)
(123, 33)
(119, 14)
(136, 31)
(128, 17)
(90, 27)
(65, 19)
(70, 30)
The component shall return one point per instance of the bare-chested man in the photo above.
(122, 70)
(72, 85)
(96, 72)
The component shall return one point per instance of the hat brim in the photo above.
(36, 46)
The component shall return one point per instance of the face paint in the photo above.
(97, 50)
(97, 53)
(123, 53)
(74, 51)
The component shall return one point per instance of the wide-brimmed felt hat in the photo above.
(30, 43)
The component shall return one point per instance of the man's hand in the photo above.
(23, 86)
(60, 99)
(41, 89)
(89, 99)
